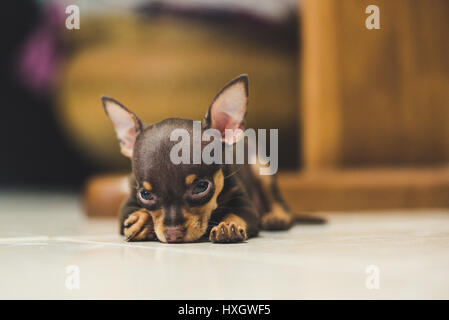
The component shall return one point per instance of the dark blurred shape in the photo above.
(252, 26)
(34, 150)
(40, 56)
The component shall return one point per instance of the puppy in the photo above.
(224, 203)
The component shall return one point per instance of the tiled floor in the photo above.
(42, 234)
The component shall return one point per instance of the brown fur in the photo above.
(236, 201)
(278, 217)
(196, 217)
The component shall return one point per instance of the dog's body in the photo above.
(188, 202)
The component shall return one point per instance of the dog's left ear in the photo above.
(228, 109)
(126, 125)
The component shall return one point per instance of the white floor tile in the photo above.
(41, 235)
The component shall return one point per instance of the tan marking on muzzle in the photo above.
(158, 221)
(197, 218)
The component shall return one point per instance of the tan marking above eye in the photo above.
(147, 185)
(190, 178)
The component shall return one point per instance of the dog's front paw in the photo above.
(139, 227)
(228, 232)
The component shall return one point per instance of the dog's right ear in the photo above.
(228, 110)
(127, 126)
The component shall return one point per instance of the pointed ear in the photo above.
(127, 126)
(228, 109)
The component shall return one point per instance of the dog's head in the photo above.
(179, 197)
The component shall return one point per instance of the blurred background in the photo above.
(348, 101)
(159, 58)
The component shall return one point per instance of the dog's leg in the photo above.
(276, 215)
(235, 219)
(135, 222)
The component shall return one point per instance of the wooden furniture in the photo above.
(370, 100)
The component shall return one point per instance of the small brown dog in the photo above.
(188, 202)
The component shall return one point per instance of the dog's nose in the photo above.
(174, 234)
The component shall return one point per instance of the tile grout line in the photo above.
(260, 258)
(30, 238)
(166, 247)
(134, 245)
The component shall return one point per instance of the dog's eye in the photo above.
(200, 187)
(147, 197)
(200, 192)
